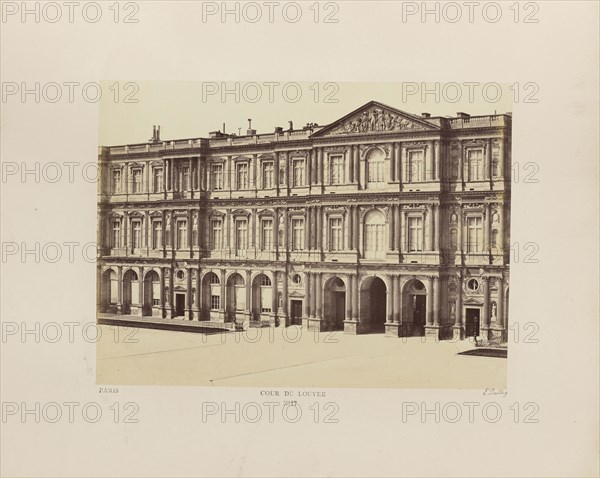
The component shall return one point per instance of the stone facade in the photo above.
(382, 221)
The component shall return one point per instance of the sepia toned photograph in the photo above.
(299, 239)
(368, 250)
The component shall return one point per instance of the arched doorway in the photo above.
(152, 305)
(414, 313)
(334, 306)
(262, 297)
(131, 291)
(373, 304)
(109, 291)
(236, 297)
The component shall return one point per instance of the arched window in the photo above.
(374, 235)
(375, 168)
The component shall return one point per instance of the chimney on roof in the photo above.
(250, 131)
(155, 134)
(291, 125)
(425, 115)
(278, 129)
(463, 115)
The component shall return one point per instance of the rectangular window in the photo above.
(242, 176)
(185, 178)
(475, 162)
(181, 234)
(116, 234)
(474, 234)
(375, 170)
(416, 166)
(268, 175)
(157, 235)
(215, 302)
(136, 237)
(217, 177)
(297, 234)
(136, 178)
(116, 181)
(157, 180)
(267, 235)
(266, 299)
(298, 168)
(216, 233)
(415, 234)
(336, 170)
(335, 234)
(241, 234)
(374, 240)
(155, 293)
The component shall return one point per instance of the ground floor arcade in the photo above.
(441, 303)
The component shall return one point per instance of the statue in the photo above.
(494, 310)
(452, 309)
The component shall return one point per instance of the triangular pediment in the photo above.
(376, 118)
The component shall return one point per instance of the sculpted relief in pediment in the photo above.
(373, 120)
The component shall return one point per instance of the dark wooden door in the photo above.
(296, 312)
(179, 305)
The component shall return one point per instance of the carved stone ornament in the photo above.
(375, 120)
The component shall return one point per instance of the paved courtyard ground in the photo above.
(290, 357)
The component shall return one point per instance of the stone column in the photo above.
(306, 301)
(391, 227)
(485, 320)
(500, 304)
(389, 301)
(354, 295)
(392, 170)
(162, 293)
(319, 221)
(458, 331)
(348, 298)
(356, 238)
(319, 164)
(188, 294)
(351, 164)
(274, 305)
(431, 165)
(120, 289)
(486, 247)
(399, 302)
(171, 294)
(284, 291)
(307, 228)
(223, 306)
(198, 304)
(429, 305)
(312, 296)
(397, 228)
(319, 281)
(357, 165)
(429, 219)
(248, 306)
(436, 301)
(395, 301)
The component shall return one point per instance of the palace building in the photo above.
(380, 222)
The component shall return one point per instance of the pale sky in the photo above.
(192, 109)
